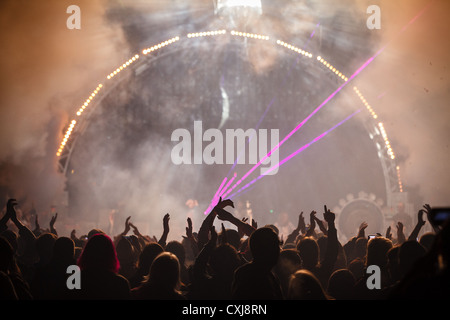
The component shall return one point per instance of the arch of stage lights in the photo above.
(375, 127)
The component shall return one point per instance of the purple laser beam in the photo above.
(298, 151)
(301, 124)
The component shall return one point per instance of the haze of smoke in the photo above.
(47, 70)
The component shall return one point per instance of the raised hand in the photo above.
(224, 215)
(189, 234)
(389, 233)
(301, 226)
(361, 231)
(52, 223)
(312, 219)
(11, 210)
(36, 223)
(254, 224)
(163, 239)
(166, 222)
(135, 230)
(224, 203)
(400, 235)
(127, 226)
(420, 220)
(328, 215)
(312, 224)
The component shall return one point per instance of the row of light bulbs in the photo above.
(206, 33)
(333, 69)
(160, 45)
(250, 35)
(400, 185)
(294, 48)
(88, 100)
(123, 66)
(364, 101)
(386, 140)
(215, 33)
(66, 137)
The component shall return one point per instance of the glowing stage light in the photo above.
(369, 108)
(294, 48)
(250, 35)
(156, 47)
(400, 185)
(206, 34)
(386, 140)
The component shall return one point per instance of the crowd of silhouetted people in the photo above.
(248, 262)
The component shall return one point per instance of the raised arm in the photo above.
(163, 240)
(332, 242)
(241, 225)
(203, 233)
(362, 230)
(321, 225)
(190, 237)
(52, 224)
(312, 225)
(420, 223)
(427, 209)
(201, 261)
(124, 232)
(400, 235)
(300, 229)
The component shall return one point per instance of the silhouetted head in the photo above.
(309, 252)
(94, 232)
(125, 251)
(64, 250)
(44, 247)
(361, 247)
(377, 249)
(6, 254)
(224, 260)
(303, 285)
(177, 249)
(265, 246)
(410, 251)
(357, 268)
(233, 238)
(165, 272)
(273, 227)
(288, 262)
(427, 240)
(341, 284)
(149, 253)
(392, 263)
(134, 240)
(99, 254)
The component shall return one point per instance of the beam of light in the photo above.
(301, 124)
(269, 106)
(228, 184)
(365, 64)
(298, 151)
(215, 196)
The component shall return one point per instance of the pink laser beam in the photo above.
(298, 151)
